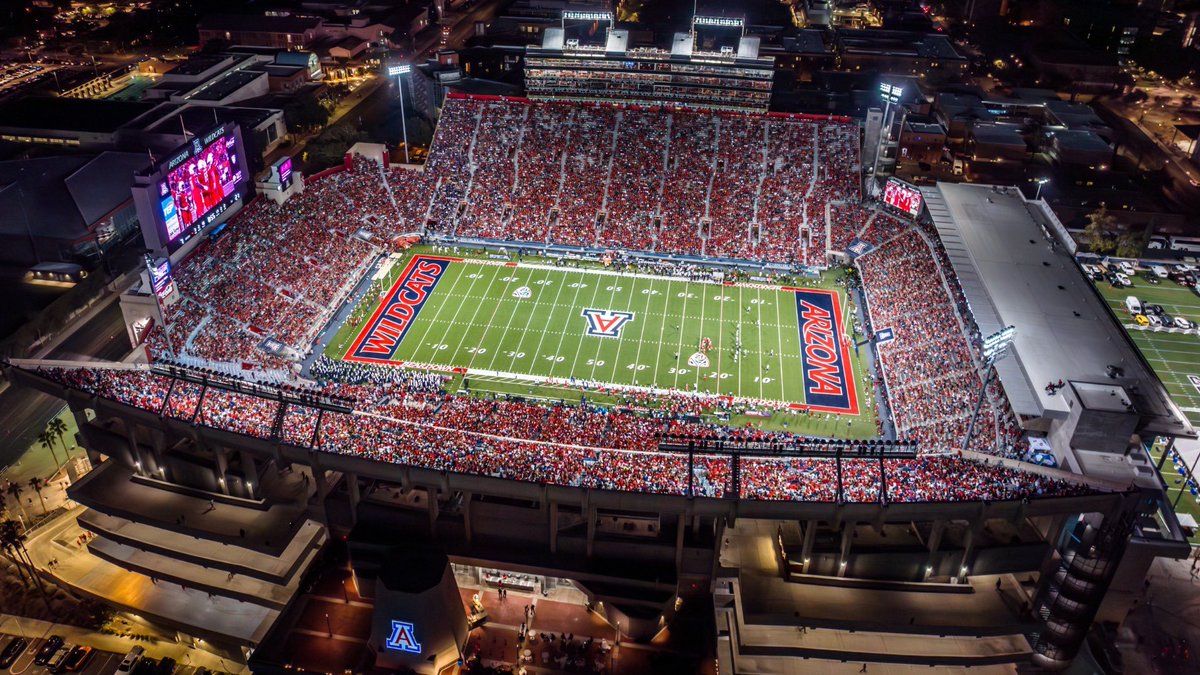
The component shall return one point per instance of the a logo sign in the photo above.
(859, 247)
(699, 360)
(382, 335)
(402, 638)
(827, 381)
(523, 292)
(1195, 380)
(605, 322)
(884, 335)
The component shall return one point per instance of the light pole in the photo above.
(1040, 182)
(890, 94)
(399, 72)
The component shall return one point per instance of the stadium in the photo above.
(692, 323)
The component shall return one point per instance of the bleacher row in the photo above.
(734, 186)
(563, 445)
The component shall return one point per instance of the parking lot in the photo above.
(1173, 352)
(100, 663)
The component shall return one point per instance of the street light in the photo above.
(1040, 182)
(399, 72)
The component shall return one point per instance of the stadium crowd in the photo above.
(565, 445)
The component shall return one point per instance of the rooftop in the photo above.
(71, 114)
(1012, 274)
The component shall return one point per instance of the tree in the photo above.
(15, 490)
(46, 439)
(1098, 233)
(306, 113)
(37, 484)
(59, 429)
(12, 542)
(1131, 244)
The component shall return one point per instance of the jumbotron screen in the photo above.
(200, 182)
(903, 197)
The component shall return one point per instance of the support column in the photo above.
(553, 527)
(591, 529)
(680, 528)
(222, 466)
(321, 484)
(354, 493)
(84, 425)
(847, 539)
(466, 513)
(431, 503)
(935, 541)
(969, 548)
(250, 468)
(810, 535)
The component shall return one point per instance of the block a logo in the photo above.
(605, 322)
(402, 639)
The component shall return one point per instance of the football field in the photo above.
(539, 324)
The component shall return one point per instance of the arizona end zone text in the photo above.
(828, 382)
(381, 336)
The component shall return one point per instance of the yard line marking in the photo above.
(500, 302)
(679, 345)
(474, 315)
(779, 336)
(517, 305)
(434, 319)
(562, 283)
(662, 331)
(638, 356)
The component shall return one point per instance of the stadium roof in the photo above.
(1011, 274)
(71, 114)
(60, 197)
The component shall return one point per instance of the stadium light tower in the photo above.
(398, 72)
(1040, 182)
(890, 94)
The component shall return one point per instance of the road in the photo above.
(25, 412)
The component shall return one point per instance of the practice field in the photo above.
(546, 325)
(1174, 354)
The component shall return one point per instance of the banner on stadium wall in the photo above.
(884, 335)
(828, 382)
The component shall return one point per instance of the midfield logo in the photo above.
(605, 322)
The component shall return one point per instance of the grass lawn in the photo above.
(535, 329)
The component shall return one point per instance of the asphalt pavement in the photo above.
(100, 663)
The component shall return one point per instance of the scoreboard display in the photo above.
(903, 197)
(192, 188)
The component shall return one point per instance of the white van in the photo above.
(131, 660)
(1159, 271)
(1133, 305)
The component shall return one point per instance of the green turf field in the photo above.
(521, 329)
(1173, 355)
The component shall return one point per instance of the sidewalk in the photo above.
(182, 653)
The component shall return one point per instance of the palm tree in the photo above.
(12, 542)
(59, 429)
(37, 484)
(46, 439)
(15, 490)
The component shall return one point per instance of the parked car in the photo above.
(1141, 320)
(55, 664)
(1127, 268)
(130, 661)
(1153, 309)
(1159, 271)
(49, 648)
(166, 666)
(1154, 320)
(78, 658)
(1167, 320)
(1151, 279)
(12, 651)
(1183, 323)
(1124, 280)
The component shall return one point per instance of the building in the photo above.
(930, 55)
(922, 142)
(66, 209)
(284, 32)
(714, 66)
(87, 124)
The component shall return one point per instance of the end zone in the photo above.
(385, 330)
(828, 373)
